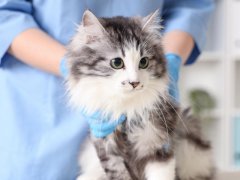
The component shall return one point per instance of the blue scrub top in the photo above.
(40, 135)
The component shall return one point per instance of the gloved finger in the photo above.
(122, 118)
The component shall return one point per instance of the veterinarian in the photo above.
(40, 135)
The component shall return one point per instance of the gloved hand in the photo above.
(100, 125)
(173, 67)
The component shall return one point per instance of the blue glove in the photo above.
(173, 67)
(63, 67)
(100, 125)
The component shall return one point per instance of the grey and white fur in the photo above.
(157, 141)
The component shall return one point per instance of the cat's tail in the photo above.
(193, 153)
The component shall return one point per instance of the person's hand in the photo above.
(173, 67)
(100, 125)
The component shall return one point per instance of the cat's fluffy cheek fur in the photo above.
(114, 100)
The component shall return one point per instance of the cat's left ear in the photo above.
(152, 22)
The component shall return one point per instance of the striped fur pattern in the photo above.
(152, 143)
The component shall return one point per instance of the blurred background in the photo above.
(212, 87)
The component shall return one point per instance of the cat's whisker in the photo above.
(168, 101)
(182, 121)
(164, 120)
(166, 111)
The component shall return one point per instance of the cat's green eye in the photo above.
(117, 63)
(143, 64)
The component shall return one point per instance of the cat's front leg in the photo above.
(160, 170)
(112, 162)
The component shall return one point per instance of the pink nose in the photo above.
(134, 84)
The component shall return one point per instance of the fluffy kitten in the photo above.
(117, 65)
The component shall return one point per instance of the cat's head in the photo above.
(117, 64)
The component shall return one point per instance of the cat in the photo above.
(117, 65)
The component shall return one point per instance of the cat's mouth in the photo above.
(137, 89)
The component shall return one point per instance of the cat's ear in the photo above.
(152, 22)
(91, 23)
(93, 29)
(89, 20)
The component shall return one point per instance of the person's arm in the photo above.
(178, 42)
(21, 36)
(177, 45)
(36, 48)
(185, 20)
(185, 25)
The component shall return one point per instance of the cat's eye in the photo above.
(117, 63)
(143, 64)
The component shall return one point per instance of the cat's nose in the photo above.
(134, 84)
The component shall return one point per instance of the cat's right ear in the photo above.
(91, 26)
